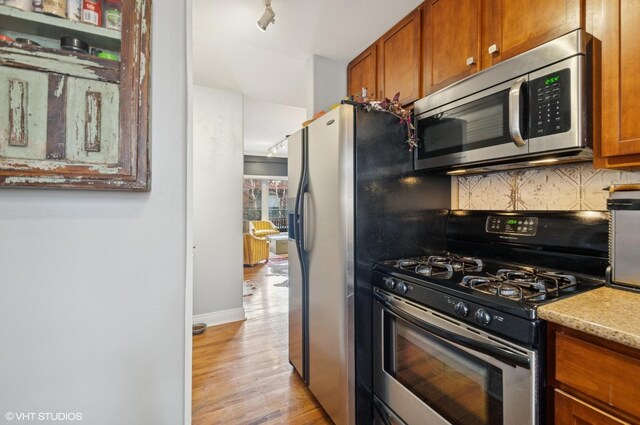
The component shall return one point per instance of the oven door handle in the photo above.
(502, 354)
(386, 416)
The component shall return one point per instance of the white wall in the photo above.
(326, 83)
(217, 203)
(92, 284)
(267, 123)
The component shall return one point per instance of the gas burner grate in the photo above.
(466, 264)
(423, 267)
(522, 285)
(438, 264)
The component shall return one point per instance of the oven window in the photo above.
(475, 125)
(461, 388)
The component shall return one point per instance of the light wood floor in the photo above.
(241, 371)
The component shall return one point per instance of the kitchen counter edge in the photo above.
(609, 313)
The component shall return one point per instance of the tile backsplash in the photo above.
(568, 187)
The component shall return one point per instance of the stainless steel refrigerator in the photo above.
(354, 200)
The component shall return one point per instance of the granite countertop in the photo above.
(609, 313)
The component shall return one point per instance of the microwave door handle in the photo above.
(515, 112)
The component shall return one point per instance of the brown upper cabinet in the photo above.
(513, 27)
(70, 119)
(615, 25)
(362, 73)
(450, 53)
(400, 60)
(462, 37)
(393, 64)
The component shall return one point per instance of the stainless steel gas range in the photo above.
(457, 339)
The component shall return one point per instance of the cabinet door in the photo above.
(399, 68)
(572, 411)
(361, 72)
(598, 372)
(517, 26)
(620, 95)
(71, 120)
(92, 123)
(23, 114)
(451, 42)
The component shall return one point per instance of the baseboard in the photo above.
(220, 317)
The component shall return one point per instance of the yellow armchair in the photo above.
(255, 249)
(262, 228)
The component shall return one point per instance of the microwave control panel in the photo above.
(550, 104)
(512, 225)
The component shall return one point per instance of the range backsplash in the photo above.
(568, 187)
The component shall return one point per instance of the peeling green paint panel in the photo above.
(18, 101)
(23, 113)
(92, 121)
(60, 63)
(70, 120)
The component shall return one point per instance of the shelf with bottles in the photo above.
(47, 30)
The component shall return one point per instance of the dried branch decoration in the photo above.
(391, 107)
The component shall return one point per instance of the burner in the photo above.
(457, 263)
(507, 290)
(521, 284)
(508, 274)
(424, 267)
(403, 264)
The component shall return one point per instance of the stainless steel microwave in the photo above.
(532, 109)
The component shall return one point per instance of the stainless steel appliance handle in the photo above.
(501, 354)
(514, 112)
(299, 212)
(304, 225)
(386, 415)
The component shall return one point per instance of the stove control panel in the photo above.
(512, 225)
(457, 307)
(396, 284)
(483, 317)
(461, 309)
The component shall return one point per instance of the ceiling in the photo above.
(229, 52)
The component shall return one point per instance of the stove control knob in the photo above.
(402, 287)
(462, 309)
(483, 317)
(389, 282)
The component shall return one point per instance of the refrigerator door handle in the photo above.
(304, 226)
(297, 215)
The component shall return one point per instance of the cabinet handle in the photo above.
(493, 49)
(470, 60)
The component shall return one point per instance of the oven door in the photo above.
(488, 125)
(432, 369)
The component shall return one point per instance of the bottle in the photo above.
(92, 12)
(25, 5)
(55, 7)
(74, 10)
(113, 14)
(74, 45)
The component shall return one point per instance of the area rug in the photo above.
(278, 268)
(283, 284)
(247, 288)
(278, 259)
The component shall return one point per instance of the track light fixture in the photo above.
(280, 146)
(267, 18)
